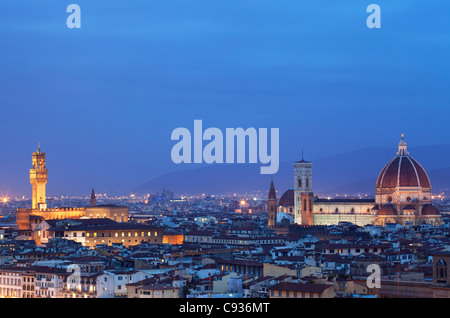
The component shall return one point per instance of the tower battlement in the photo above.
(38, 180)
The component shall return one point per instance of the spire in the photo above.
(39, 147)
(272, 193)
(93, 198)
(303, 159)
(402, 147)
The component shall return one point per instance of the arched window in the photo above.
(441, 269)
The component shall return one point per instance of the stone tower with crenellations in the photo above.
(38, 180)
(29, 219)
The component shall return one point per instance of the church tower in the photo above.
(38, 180)
(93, 198)
(272, 206)
(303, 194)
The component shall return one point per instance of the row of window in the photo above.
(116, 234)
(117, 241)
(293, 294)
(12, 281)
(348, 250)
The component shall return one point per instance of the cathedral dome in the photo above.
(428, 209)
(387, 210)
(287, 199)
(402, 171)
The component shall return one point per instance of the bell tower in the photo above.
(38, 180)
(303, 191)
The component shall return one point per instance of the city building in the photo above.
(92, 232)
(402, 195)
(28, 219)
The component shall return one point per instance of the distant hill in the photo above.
(440, 181)
(351, 172)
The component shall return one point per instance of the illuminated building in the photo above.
(38, 180)
(29, 219)
(402, 195)
(92, 232)
(403, 192)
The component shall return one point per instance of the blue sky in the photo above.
(104, 99)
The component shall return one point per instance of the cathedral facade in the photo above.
(402, 195)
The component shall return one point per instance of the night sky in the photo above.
(103, 100)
